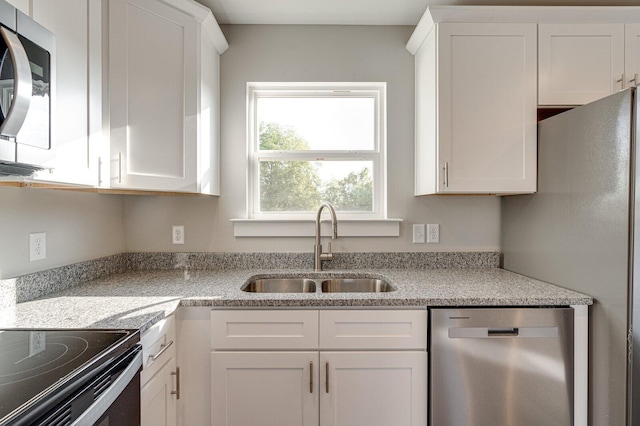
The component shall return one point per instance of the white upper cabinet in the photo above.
(632, 54)
(587, 53)
(76, 113)
(579, 63)
(164, 96)
(475, 108)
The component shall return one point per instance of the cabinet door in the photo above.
(487, 108)
(579, 63)
(157, 404)
(632, 54)
(153, 96)
(373, 389)
(76, 112)
(264, 388)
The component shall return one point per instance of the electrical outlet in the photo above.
(418, 233)
(37, 246)
(433, 233)
(177, 234)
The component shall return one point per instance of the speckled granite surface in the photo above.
(385, 260)
(32, 286)
(137, 299)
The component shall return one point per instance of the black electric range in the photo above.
(44, 370)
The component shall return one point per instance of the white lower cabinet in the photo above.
(373, 388)
(264, 388)
(157, 402)
(383, 383)
(160, 376)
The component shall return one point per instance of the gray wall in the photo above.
(82, 226)
(313, 53)
(79, 226)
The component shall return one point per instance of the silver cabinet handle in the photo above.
(99, 171)
(163, 347)
(446, 174)
(326, 374)
(635, 80)
(311, 377)
(177, 391)
(23, 85)
(119, 167)
(621, 81)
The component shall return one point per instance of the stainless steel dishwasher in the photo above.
(501, 366)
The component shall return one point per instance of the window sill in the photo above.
(306, 228)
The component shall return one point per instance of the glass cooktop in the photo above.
(33, 363)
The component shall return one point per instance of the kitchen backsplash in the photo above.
(32, 286)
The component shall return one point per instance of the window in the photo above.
(314, 142)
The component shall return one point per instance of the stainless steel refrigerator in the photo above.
(581, 231)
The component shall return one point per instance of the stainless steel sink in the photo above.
(324, 285)
(281, 285)
(356, 285)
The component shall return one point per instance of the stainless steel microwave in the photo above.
(27, 77)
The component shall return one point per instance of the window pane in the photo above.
(322, 123)
(300, 186)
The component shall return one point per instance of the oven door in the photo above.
(112, 397)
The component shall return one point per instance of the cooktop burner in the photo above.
(32, 362)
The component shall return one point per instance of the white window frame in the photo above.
(378, 91)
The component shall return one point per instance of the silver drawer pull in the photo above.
(177, 391)
(326, 372)
(163, 347)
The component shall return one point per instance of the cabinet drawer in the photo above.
(373, 329)
(160, 337)
(247, 329)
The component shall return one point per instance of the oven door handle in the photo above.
(22, 86)
(104, 401)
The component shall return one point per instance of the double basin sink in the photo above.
(315, 285)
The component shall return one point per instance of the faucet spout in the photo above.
(319, 256)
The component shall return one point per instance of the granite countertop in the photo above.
(138, 299)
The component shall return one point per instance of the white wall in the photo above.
(79, 226)
(313, 53)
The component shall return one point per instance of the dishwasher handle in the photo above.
(501, 332)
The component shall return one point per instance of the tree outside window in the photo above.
(316, 143)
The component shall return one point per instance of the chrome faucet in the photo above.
(318, 255)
